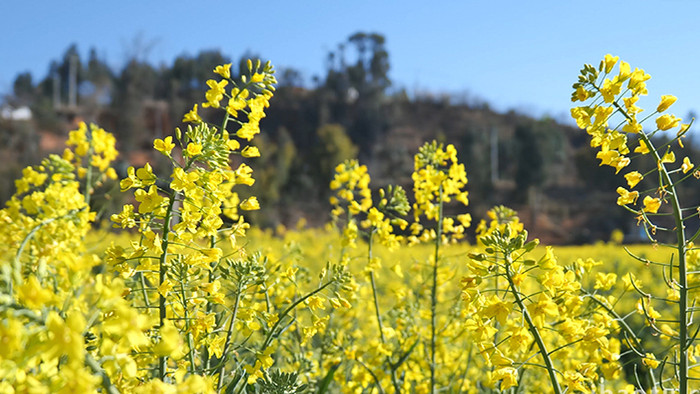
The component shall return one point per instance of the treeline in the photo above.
(540, 167)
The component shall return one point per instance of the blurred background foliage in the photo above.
(542, 168)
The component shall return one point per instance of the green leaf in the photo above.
(326, 382)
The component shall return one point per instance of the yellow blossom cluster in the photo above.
(94, 146)
(438, 178)
(208, 296)
(513, 301)
(352, 179)
(611, 99)
(63, 328)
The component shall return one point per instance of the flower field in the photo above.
(186, 297)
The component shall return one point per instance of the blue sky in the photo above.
(521, 55)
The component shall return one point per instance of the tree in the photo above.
(135, 85)
(334, 147)
(23, 89)
(97, 83)
(529, 172)
(359, 87)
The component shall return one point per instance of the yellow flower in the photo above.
(111, 173)
(66, 336)
(244, 175)
(248, 131)
(668, 121)
(687, 165)
(164, 146)
(250, 204)
(145, 175)
(212, 254)
(233, 145)
(215, 93)
(237, 101)
(32, 294)
(192, 116)
(170, 340)
(650, 361)
(183, 180)
(224, 70)
(150, 201)
(651, 205)
(580, 95)
(575, 381)
(630, 281)
(637, 82)
(508, 377)
(250, 151)
(610, 89)
(632, 127)
(624, 71)
(165, 287)
(193, 149)
(633, 178)
(613, 158)
(582, 116)
(315, 303)
(666, 102)
(257, 77)
(669, 157)
(605, 281)
(609, 62)
(549, 260)
(643, 148)
(216, 345)
(498, 309)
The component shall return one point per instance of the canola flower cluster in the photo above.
(610, 98)
(171, 312)
(56, 314)
(618, 95)
(407, 330)
(514, 300)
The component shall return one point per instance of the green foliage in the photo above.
(334, 146)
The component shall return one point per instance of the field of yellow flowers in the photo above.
(388, 298)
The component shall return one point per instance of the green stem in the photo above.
(146, 301)
(190, 343)
(682, 272)
(96, 368)
(433, 292)
(16, 263)
(163, 360)
(533, 329)
(682, 268)
(624, 326)
(229, 334)
(205, 350)
(374, 376)
(88, 181)
(374, 289)
(268, 339)
(394, 378)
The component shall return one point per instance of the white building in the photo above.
(20, 113)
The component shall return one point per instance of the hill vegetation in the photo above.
(542, 168)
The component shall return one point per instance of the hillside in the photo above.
(541, 168)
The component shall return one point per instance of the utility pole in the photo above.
(494, 155)
(56, 90)
(72, 81)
